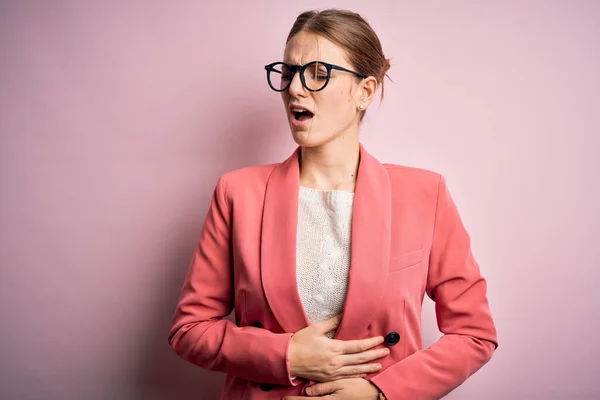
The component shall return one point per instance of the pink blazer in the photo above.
(407, 240)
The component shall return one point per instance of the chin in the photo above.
(308, 138)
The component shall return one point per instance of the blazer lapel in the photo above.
(278, 245)
(370, 247)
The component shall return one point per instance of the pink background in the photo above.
(116, 119)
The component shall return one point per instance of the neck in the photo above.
(331, 166)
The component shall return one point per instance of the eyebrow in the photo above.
(320, 61)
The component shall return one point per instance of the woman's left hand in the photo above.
(342, 389)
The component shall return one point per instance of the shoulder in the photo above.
(245, 180)
(421, 188)
(248, 175)
(404, 177)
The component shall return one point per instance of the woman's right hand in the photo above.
(313, 356)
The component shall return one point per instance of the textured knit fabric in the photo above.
(323, 251)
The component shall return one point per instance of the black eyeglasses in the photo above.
(280, 75)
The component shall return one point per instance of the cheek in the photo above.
(346, 99)
(337, 105)
(350, 98)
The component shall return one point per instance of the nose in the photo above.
(296, 89)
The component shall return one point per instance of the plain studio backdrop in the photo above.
(117, 117)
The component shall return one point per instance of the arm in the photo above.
(462, 311)
(199, 334)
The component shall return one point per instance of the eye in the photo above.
(317, 72)
(286, 73)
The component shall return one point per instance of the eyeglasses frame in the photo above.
(302, 68)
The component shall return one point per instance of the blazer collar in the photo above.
(370, 246)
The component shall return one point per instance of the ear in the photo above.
(366, 92)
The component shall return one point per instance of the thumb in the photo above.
(328, 325)
(322, 389)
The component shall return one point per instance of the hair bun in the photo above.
(386, 66)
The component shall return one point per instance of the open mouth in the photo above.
(301, 114)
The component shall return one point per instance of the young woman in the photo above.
(326, 257)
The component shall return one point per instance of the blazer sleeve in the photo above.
(463, 316)
(199, 334)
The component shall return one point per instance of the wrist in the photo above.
(289, 360)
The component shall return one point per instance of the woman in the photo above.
(288, 245)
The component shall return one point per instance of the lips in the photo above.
(301, 113)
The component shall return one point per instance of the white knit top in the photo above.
(323, 251)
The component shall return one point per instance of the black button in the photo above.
(392, 338)
(256, 324)
(266, 387)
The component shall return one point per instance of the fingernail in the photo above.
(378, 366)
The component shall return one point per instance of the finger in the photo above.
(321, 389)
(358, 346)
(364, 357)
(358, 369)
(328, 325)
(349, 377)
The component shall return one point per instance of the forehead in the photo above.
(305, 47)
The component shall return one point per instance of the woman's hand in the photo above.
(343, 389)
(314, 356)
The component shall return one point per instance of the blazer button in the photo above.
(266, 387)
(392, 338)
(256, 324)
